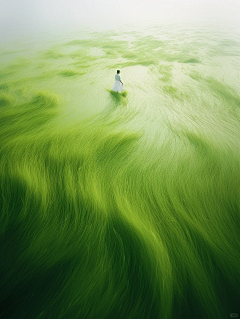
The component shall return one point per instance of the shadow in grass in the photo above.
(118, 98)
(68, 73)
(192, 61)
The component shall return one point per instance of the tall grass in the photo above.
(124, 214)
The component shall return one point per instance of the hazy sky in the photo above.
(24, 15)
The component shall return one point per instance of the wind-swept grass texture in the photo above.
(131, 211)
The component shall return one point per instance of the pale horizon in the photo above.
(24, 17)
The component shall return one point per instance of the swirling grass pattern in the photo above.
(121, 205)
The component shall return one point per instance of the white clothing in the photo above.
(117, 77)
(117, 87)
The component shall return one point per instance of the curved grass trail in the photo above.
(121, 205)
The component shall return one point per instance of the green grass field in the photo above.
(121, 206)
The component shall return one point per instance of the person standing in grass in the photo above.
(118, 85)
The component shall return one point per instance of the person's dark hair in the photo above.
(118, 71)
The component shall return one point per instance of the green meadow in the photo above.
(120, 206)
